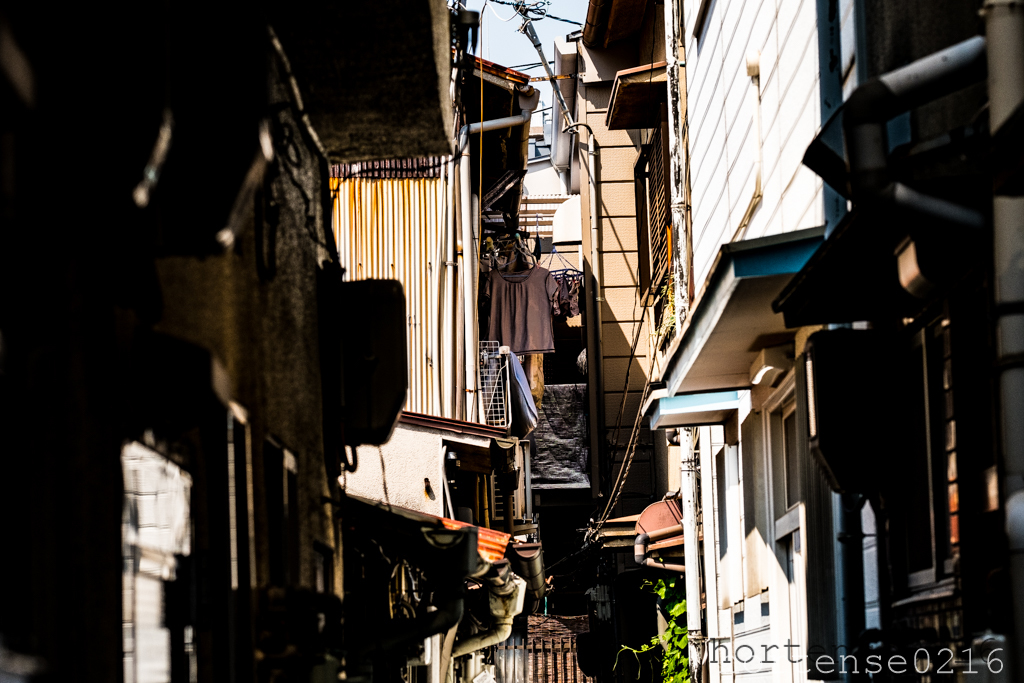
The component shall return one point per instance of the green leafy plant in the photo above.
(675, 664)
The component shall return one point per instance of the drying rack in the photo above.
(569, 272)
(494, 384)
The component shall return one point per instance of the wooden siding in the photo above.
(721, 117)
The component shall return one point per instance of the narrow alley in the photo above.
(508, 341)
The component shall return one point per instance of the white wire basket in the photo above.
(494, 384)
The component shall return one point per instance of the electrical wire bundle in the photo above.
(534, 11)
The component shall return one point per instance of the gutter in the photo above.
(596, 26)
(528, 98)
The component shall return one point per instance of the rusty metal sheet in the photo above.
(491, 544)
(660, 515)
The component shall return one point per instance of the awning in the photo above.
(409, 528)
(694, 409)
(852, 277)
(855, 276)
(637, 96)
(732, 319)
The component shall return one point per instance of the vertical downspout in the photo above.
(689, 467)
(597, 300)
(830, 97)
(470, 271)
(595, 333)
(678, 157)
(851, 570)
(447, 374)
(1004, 29)
(754, 73)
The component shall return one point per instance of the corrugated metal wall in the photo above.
(395, 229)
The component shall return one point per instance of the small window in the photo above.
(701, 24)
(794, 491)
(931, 509)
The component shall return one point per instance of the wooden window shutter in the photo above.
(653, 214)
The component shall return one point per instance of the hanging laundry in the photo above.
(521, 305)
(569, 281)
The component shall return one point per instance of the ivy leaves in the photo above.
(675, 664)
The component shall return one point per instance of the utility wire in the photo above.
(534, 10)
(501, 18)
(531, 65)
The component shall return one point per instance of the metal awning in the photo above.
(409, 527)
(694, 409)
(732, 319)
(852, 277)
(637, 96)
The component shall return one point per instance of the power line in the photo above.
(534, 10)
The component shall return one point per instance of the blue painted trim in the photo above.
(777, 259)
(689, 403)
(665, 409)
(782, 254)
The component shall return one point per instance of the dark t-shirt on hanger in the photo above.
(521, 308)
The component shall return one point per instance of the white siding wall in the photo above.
(723, 143)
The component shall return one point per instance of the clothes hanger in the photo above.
(569, 272)
(521, 246)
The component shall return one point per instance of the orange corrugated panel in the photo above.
(395, 228)
(491, 544)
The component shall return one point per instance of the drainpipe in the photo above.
(596, 335)
(754, 72)
(506, 598)
(1004, 28)
(689, 466)
(640, 549)
(880, 99)
(447, 379)
(528, 97)
(595, 342)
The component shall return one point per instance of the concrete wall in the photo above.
(542, 178)
(721, 105)
(413, 454)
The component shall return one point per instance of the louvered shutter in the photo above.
(654, 218)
